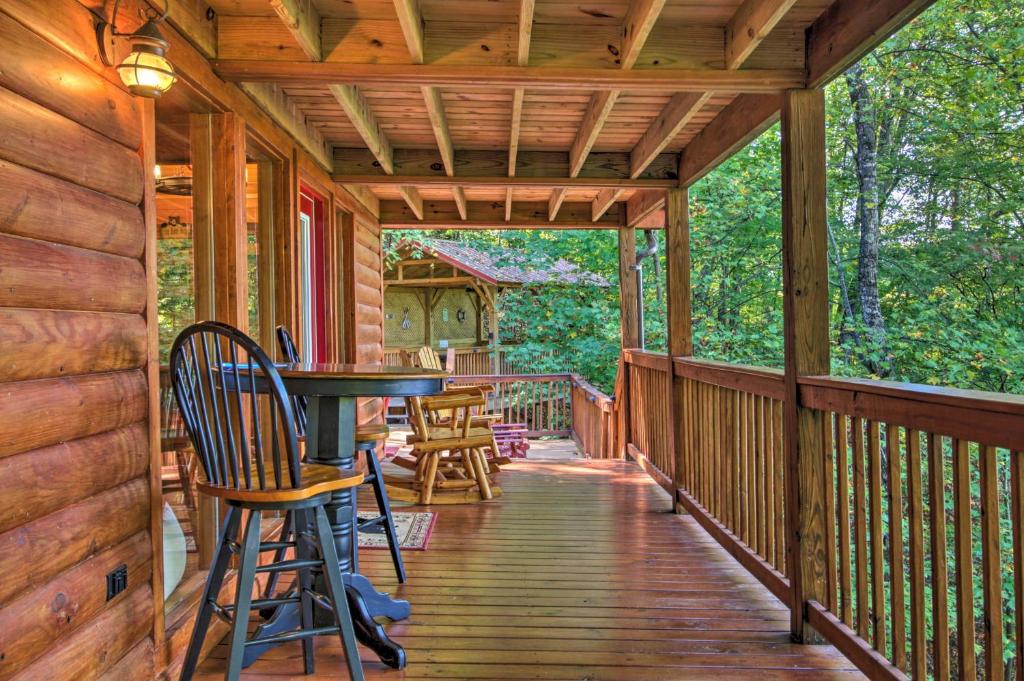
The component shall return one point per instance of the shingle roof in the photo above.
(512, 269)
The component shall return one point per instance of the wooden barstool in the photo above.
(247, 444)
(366, 441)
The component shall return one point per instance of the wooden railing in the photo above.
(541, 401)
(647, 385)
(924, 483)
(477, 361)
(921, 505)
(594, 426)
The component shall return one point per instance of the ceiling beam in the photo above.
(491, 215)
(639, 21)
(642, 205)
(511, 77)
(275, 103)
(555, 202)
(749, 25)
(849, 29)
(502, 182)
(526, 8)
(411, 21)
(303, 22)
(490, 168)
(663, 129)
(358, 111)
(737, 124)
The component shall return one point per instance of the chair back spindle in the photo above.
(235, 429)
(291, 354)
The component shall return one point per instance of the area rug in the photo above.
(414, 530)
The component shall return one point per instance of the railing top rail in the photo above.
(752, 379)
(509, 378)
(957, 397)
(606, 402)
(987, 418)
(658, 361)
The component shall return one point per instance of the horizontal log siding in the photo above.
(74, 440)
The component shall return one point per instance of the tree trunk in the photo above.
(869, 222)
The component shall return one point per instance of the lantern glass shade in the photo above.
(146, 73)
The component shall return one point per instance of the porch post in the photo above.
(201, 143)
(230, 234)
(627, 288)
(680, 324)
(630, 328)
(806, 337)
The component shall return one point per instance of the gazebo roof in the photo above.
(511, 267)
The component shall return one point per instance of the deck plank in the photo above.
(578, 572)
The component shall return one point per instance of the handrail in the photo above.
(996, 420)
(757, 380)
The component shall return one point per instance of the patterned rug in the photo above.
(414, 530)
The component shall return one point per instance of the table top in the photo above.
(368, 372)
(349, 380)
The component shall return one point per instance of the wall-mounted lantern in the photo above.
(145, 71)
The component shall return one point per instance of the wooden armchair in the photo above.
(448, 453)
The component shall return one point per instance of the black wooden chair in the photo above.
(247, 444)
(366, 439)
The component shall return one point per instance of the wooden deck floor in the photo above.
(578, 572)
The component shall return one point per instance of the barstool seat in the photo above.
(315, 480)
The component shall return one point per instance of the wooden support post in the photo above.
(680, 325)
(806, 336)
(267, 190)
(630, 325)
(201, 143)
(230, 233)
(627, 288)
(428, 313)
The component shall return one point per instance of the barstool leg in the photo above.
(303, 551)
(219, 567)
(384, 506)
(243, 595)
(287, 531)
(337, 594)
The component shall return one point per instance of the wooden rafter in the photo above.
(739, 123)
(365, 123)
(639, 21)
(276, 104)
(849, 29)
(556, 79)
(303, 22)
(672, 119)
(502, 182)
(751, 24)
(606, 198)
(642, 205)
(411, 20)
(526, 8)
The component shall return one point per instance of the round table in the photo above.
(331, 391)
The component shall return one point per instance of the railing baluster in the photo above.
(940, 576)
(829, 468)
(780, 519)
(992, 580)
(843, 470)
(1017, 514)
(915, 504)
(860, 529)
(964, 559)
(899, 621)
(877, 551)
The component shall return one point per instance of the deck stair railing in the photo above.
(920, 517)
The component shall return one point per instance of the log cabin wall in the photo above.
(366, 313)
(77, 344)
(75, 441)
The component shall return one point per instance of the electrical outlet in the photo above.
(117, 581)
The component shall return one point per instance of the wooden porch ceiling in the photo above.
(535, 112)
(577, 572)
